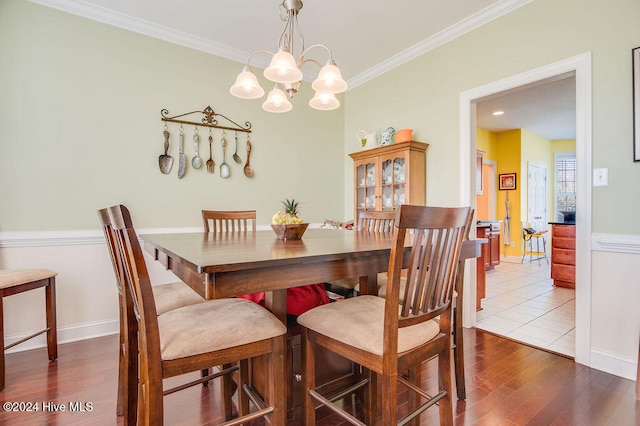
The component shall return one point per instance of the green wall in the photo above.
(423, 94)
(80, 129)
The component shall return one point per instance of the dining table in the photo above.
(220, 265)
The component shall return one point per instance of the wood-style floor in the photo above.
(507, 384)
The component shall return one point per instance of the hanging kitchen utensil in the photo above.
(224, 167)
(165, 161)
(236, 157)
(196, 161)
(248, 171)
(182, 159)
(210, 163)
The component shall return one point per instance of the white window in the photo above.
(565, 182)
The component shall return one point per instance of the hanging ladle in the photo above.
(236, 157)
(196, 161)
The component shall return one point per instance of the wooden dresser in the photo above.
(563, 254)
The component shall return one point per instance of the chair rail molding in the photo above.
(616, 243)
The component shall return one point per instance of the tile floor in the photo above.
(521, 303)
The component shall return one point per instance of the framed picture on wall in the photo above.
(507, 181)
(636, 103)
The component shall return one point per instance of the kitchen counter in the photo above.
(562, 223)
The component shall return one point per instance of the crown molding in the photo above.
(110, 17)
(470, 23)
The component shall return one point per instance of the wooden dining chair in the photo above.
(368, 221)
(230, 221)
(390, 338)
(15, 281)
(167, 297)
(195, 337)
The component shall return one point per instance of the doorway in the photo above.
(581, 66)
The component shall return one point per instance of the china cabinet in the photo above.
(388, 176)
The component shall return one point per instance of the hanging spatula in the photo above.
(165, 161)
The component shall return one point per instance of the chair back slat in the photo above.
(229, 222)
(376, 221)
(435, 235)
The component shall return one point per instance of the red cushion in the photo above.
(299, 299)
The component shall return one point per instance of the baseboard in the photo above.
(614, 364)
(65, 335)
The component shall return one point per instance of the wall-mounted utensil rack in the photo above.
(208, 120)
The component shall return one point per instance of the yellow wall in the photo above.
(508, 161)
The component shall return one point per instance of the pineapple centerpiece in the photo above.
(286, 223)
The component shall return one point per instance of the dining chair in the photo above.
(389, 338)
(15, 281)
(368, 221)
(231, 221)
(167, 297)
(195, 337)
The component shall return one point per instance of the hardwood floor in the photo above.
(507, 384)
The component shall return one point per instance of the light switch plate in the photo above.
(600, 177)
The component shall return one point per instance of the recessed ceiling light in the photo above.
(498, 112)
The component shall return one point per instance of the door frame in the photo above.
(581, 66)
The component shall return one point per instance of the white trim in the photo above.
(614, 364)
(460, 28)
(111, 17)
(616, 243)
(141, 26)
(581, 65)
(69, 334)
(87, 237)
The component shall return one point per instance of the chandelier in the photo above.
(284, 71)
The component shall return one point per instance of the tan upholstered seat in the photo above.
(14, 281)
(188, 331)
(173, 296)
(365, 316)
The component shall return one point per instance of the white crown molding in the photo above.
(470, 23)
(110, 17)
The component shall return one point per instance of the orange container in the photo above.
(404, 135)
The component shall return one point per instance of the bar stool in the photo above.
(21, 280)
(529, 235)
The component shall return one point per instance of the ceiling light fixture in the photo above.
(498, 112)
(284, 71)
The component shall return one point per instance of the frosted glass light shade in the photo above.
(277, 101)
(324, 101)
(283, 68)
(246, 86)
(329, 80)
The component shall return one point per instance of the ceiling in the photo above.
(235, 28)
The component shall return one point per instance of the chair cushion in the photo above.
(214, 325)
(173, 296)
(359, 322)
(14, 277)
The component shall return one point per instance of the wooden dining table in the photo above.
(226, 265)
